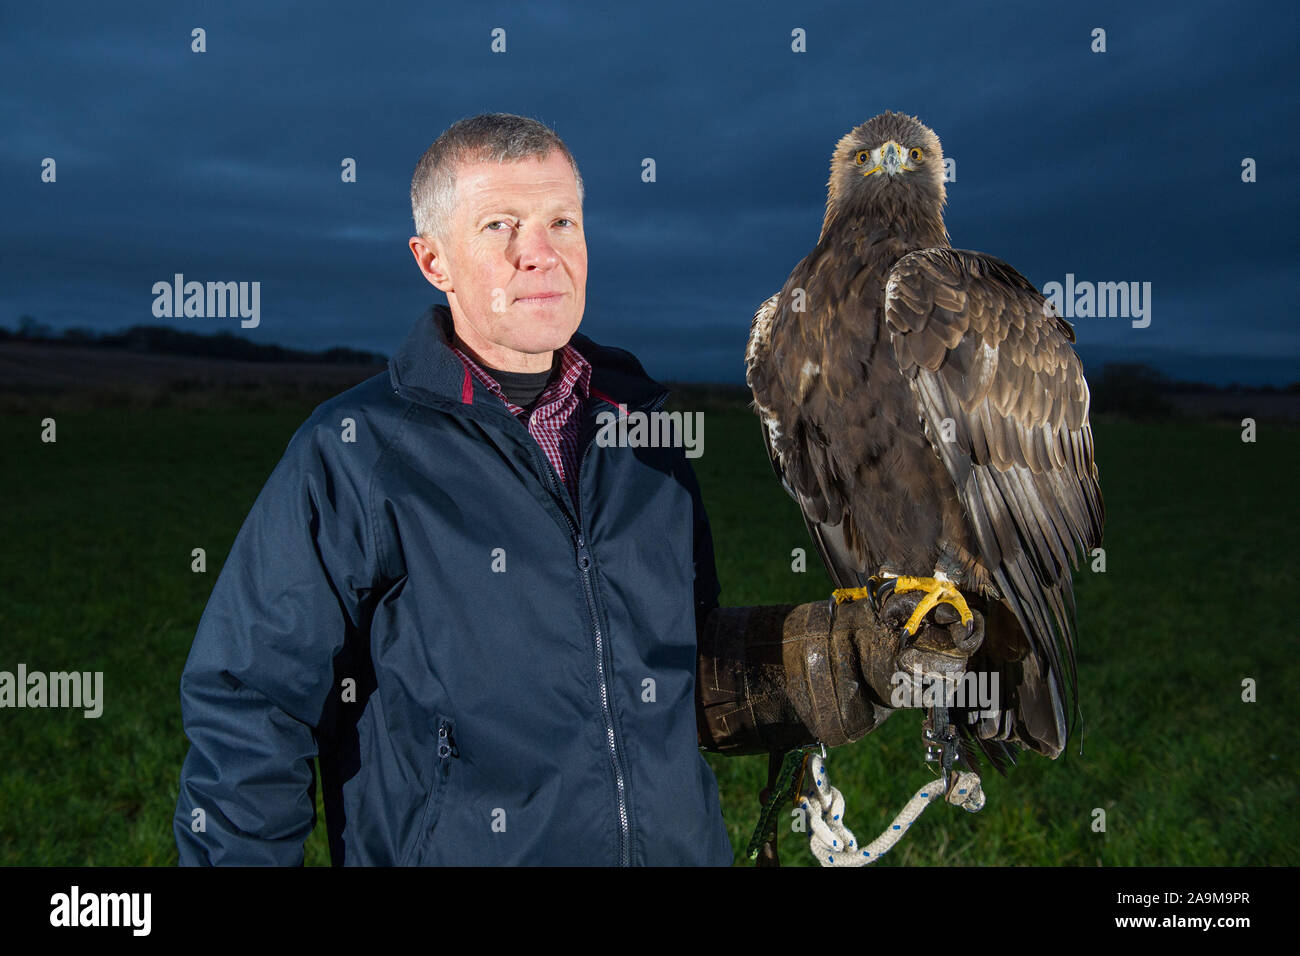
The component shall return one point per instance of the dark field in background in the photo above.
(1198, 595)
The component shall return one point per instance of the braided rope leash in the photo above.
(833, 844)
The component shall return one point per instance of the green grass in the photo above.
(1197, 594)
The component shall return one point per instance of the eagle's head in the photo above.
(889, 169)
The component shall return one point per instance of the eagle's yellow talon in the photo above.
(850, 594)
(937, 591)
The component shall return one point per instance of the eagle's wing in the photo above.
(1005, 405)
(822, 513)
(756, 352)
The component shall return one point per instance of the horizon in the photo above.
(1179, 368)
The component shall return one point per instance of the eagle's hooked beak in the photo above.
(891, 160)
(891, 157)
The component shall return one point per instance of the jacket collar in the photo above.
(424, 369)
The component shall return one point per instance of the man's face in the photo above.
(514, 261)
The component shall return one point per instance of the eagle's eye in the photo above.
(861, 158)
(916, 154)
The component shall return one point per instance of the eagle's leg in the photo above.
(877, 589)
(938, 590)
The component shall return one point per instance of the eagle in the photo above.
(926, 409)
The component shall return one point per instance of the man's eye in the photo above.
(565, 222)
(494, 223)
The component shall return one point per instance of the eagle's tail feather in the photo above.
(970, 744)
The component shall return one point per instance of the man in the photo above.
(498, 638)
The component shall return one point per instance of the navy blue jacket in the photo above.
(461, 714)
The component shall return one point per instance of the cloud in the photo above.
(1115, 166)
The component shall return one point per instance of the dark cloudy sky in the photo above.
(1115, 166)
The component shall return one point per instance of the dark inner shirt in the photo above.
(524, 388)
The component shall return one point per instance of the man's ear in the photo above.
(432, 262)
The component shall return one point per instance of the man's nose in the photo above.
(536, 250)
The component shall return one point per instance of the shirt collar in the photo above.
(425, 369)
(574, 377)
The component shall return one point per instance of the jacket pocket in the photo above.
(445, 752)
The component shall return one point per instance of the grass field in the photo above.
(1197, 596)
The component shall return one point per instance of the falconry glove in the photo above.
(779, 677)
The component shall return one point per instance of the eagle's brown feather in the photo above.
(1021, 450)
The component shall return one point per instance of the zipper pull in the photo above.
(584, 556)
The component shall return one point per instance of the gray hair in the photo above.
(488, 137)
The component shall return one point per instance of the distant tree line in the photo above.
(1130, 389)
(165, 340)
(1134, 390)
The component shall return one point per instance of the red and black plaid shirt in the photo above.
(556, 420)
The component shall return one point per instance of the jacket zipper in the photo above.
(584, 565)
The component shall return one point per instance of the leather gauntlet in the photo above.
(778, 677)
